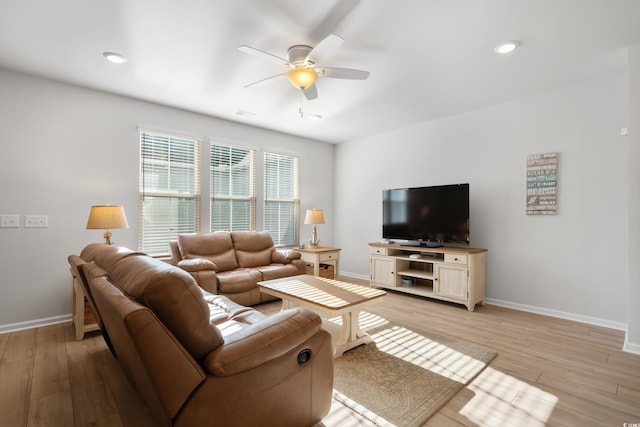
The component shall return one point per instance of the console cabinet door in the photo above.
(451, 282)
(383, 271)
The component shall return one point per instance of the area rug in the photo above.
(405, 375)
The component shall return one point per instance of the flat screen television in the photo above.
(427, 216)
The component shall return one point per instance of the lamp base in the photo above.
(107, 237)
(314, 241)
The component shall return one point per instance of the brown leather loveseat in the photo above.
(232, 263)
(199, 359)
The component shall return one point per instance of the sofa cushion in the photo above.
(90, 251)
(105, 255)
(217, 247)
(173, 295)
(222, 308)
(253, 248)
(238, 281)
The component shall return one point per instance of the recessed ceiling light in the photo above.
(506, 47)
(114, 57)
(315, 117)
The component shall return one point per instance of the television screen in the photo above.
(427, 215)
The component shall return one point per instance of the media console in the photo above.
(447, 273)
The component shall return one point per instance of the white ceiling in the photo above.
(427, 58)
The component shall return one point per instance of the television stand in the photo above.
(452, 274)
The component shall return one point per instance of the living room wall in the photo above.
(65, 148)
(572, 264)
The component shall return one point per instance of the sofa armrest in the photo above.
(197, 264)
(203, 271)
(261, 342)
(176, 255)
(285, 256)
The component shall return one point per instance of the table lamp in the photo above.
(107, 217)
(314, 216)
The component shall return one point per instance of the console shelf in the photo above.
(416, 273)
(450, 274)
(423, 291)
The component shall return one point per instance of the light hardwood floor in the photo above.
(548, 372)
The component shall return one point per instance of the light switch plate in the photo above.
(36, 221)
(9, 221)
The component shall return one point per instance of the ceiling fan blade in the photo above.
(343, 73)
(311, 92)
(325, 48)
(265, 82)
(263, 55)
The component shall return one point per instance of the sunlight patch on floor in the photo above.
(359, 409)
(417, 349)
(427, 353)
(500, 399)
(367, 320)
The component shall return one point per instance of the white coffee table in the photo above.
(329, 298)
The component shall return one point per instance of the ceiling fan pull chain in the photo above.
(301, 104)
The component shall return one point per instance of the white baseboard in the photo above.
(354, 275)
(12, 327)
(559, 314)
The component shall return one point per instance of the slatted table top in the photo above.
(327, 293)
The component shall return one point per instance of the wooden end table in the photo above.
(83, 319)
(329, 298)
(321, 254)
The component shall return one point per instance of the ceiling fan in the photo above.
(303, 62)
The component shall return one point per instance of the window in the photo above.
(233, 198)
(171, 185)
(169, 190)
(282, 200)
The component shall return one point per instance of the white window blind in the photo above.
(169, 190)
(282, 199)
(233, 187)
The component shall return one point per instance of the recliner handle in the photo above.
(304, 356)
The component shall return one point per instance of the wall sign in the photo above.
(542, 184)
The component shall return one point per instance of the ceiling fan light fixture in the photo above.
(302, 77)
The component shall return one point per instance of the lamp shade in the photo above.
(107, 216)
(314, 216)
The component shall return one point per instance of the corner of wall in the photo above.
(631, 347)
(632, 336)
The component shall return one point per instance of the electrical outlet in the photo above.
(36, 221)
(9, 221)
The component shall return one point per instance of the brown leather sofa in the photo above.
(232, 264)
(199, 359)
